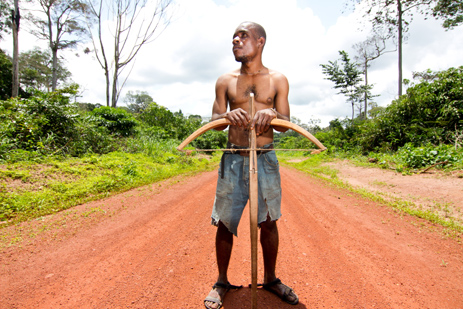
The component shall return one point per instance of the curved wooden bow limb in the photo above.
(275, 122)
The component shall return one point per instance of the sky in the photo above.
(179, 69)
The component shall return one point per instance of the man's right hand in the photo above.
(238, 117)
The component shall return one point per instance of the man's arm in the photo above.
(281, 100)
(237, 116)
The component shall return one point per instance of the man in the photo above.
(233, 89)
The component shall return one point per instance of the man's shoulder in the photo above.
(276, 74)
(230, 75)
(227, 77)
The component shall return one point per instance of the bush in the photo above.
(48, 124)
(92, 138)
(117, 121)
(212, 139)
(428, 113)
(418, 157)
(6, 82)
(46, 118)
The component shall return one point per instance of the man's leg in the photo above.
(223, 249)
(269, 240)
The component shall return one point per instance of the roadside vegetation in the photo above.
(55, 153)
(421, 130)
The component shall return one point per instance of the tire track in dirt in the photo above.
(336, 250)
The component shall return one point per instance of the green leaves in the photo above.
(418, 157)
(430, 112)
(5, 18)
(347, 78)
(451, 11)
(6, 67)
(36, 70)
(116, 120)
(164, 124)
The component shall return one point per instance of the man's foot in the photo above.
(282, 290)
(215, 298)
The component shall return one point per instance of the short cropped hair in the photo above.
(259, 30)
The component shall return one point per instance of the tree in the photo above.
(5, 18)
(62, 26)
(430, 112)
(451, 11)
(426, 76)
(36, 70)
(389, 16)
(15, 19)
(6, 84)
(5, 76)
(136, 23)
(367, 51)
(138, 101)
(9, 20)
(346, 79)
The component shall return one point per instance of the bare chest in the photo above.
(240, 88)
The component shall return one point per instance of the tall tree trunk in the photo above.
(116, 67)
(106, 73)
(366, 86)
(353, 111)
(54, 75)
(114, 93)
(53, 48)
(15, 19)
(104, 62)
(400, 13)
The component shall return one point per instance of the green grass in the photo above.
(30, 190)
(313, 165)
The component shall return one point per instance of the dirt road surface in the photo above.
(153, 247)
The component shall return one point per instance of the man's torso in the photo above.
(239, 88)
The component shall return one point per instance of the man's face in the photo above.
(244, 43)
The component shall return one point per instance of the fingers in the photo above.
(238, 117)
(261, 121)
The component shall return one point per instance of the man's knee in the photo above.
(223, 231)
(268, 226)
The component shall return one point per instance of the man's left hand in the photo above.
(262, 119)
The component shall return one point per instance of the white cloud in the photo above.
(180, 68)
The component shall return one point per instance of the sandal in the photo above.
(218, 300)
(286, 293)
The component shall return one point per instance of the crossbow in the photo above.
(253, 179)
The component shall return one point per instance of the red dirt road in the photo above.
(154, 248)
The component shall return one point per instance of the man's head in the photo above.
(248, 41)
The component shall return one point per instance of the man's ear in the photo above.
(261, 41)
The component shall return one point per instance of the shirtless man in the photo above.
(233, 89)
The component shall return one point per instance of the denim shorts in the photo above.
(233, 189)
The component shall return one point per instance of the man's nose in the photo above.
(236, 40)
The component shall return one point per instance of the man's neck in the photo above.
(253, 68)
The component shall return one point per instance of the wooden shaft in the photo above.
(253, 205)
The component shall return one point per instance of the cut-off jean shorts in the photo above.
(233, 189)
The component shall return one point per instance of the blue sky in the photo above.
(179, 69)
